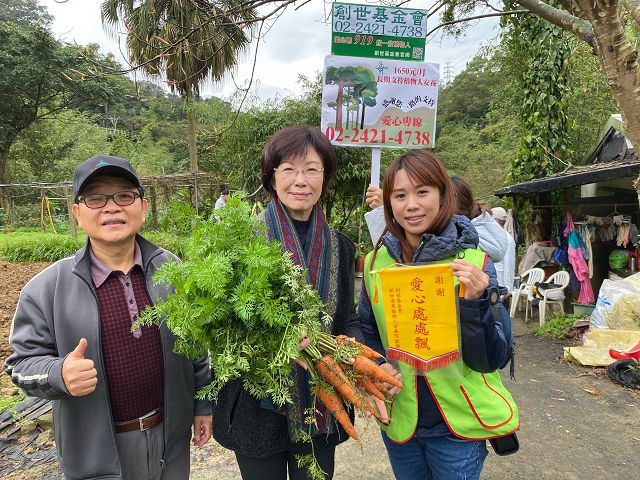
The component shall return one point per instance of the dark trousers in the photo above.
(275, 466)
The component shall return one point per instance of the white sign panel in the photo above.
(369, 102)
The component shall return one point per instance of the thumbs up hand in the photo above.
(79, 375)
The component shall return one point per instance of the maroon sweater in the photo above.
(133, 363)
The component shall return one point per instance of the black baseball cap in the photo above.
(103, 165)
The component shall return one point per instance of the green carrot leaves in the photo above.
(239, 298)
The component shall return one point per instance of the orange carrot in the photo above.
(365, 350)
(368, 386)
(364, 366)
(379, 385)
(330, 371)
(336, 408)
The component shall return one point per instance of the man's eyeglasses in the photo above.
(97, 200)
(288, 172)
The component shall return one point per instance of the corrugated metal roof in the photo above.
(612, 158)
(577, 175)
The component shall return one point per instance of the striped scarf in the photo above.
(320, 260)
(315, 256)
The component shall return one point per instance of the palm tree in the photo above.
(187, 41)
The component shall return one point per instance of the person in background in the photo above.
(298, 163)
(507, 269)
(123, 402)
(434, 432)
(221, 201)
(493, 239)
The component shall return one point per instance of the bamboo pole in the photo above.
(72, 220)
(154, 207)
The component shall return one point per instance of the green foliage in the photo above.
(543, 51)
(235, 146)
(37, 247)
(590, 100)
(35, 81)
(557, 327)
(178, 218)
(239, 298)
(314, 471)
(8, 402)
(24, 12)
(235, 150)
(182, 40)
(467, 100)
(175, 243)
(31, 246)
(50, 149)
(481, 155)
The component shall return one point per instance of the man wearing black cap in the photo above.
(123, 401)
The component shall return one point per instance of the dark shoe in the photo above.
(625, 372)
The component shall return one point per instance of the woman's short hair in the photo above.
(424, 168)
(293, 142)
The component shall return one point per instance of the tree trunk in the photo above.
(339, 104)
(193, 152)
(5, 200)
(600, 25)
(619, 62)
(154, 207)
(72, 220)
(348, 114)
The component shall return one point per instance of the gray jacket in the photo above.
(57, 308)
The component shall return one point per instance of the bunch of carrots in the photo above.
(346, 372)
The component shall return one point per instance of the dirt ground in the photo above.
(13, 276)
(575, 423)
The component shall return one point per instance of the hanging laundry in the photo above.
(510, 225)
(576, 258)
(633, 234)
(585, 235)
(622, 239)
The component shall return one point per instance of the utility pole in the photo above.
(448, 73)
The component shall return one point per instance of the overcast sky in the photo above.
(295, 44)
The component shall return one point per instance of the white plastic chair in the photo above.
(527, 280)
(558, 278)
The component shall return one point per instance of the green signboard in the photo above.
(378, 32)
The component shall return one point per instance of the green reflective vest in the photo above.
(474, 405)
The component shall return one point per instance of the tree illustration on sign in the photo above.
(357, 89)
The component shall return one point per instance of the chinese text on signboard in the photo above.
(378, 31)
(379, 103)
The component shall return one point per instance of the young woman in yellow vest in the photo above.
(442, 417)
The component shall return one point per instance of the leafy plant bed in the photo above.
(558, 326)
(26, 247)
(37, 246)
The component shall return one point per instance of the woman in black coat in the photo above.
(297, 164)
